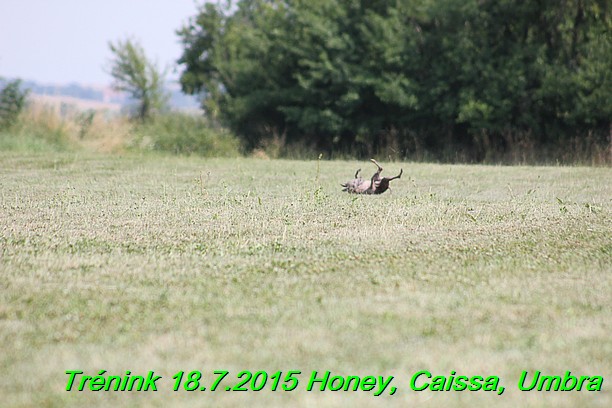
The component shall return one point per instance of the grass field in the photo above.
(166, 264)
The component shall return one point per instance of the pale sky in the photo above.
(63, 41)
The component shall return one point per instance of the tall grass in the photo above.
(185, 134)
(579, 150)
(45, 127)
(39, 128)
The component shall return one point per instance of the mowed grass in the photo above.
(167, 264)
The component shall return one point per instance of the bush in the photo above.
(12, 102)
(180, 133)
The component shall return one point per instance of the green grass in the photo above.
(22, 142)
(151, 263)
(183, 134)
(45, 129)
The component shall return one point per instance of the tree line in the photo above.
(408, 76)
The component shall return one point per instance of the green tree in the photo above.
(442, 76)
(12, 102)
(138, 76)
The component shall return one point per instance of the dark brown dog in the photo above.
(376, 185)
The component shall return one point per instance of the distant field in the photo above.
(166, 264)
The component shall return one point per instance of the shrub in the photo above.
(12, 101)
(181, 133)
